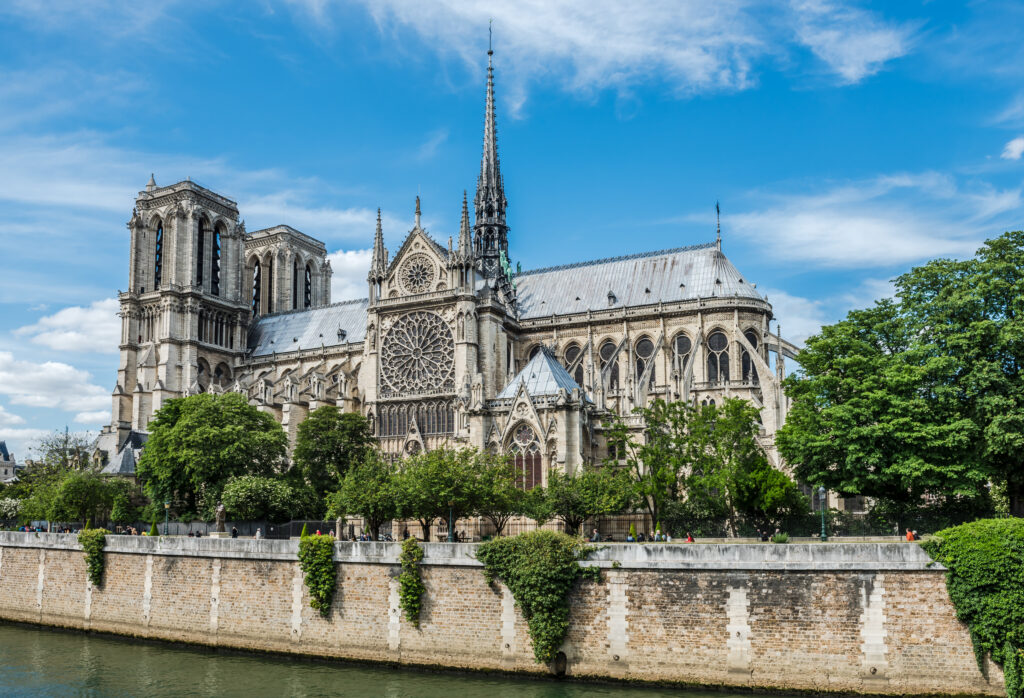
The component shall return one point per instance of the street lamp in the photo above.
(821, 505)
(167, 512)
(451, 533)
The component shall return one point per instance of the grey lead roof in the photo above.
(309, 328)
(700, 271)
(543, 375)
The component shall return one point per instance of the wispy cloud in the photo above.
(350, 268)
(430, 147)
(95, 328)
(49, 384)
(9, 419)
(1013, 149)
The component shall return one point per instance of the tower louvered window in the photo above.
(200, 245)
(295, 284)
(215, 264)
(159, 261)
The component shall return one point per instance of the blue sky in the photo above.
(846, 141)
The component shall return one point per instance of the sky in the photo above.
(847, 141)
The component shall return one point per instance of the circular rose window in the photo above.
(418, 274)
(418, 355)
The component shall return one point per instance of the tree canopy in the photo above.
(328, 442)
(197, 443)
(432, 483)
(369, 491)
(584, 495)
(921, 395)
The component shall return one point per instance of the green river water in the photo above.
(41, 662)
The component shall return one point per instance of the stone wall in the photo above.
(871, 618)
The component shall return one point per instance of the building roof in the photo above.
(684, 273)
(5, 455)
(542, 375)
(309, 328)
(122, 464)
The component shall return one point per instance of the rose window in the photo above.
(418, 274)
(418, 355)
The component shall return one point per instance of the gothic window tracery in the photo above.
(215, 263)
(418, 355)
(159, 260)
(683, 346)
(295, 284)
(572, 352)
(257, 273)
(749, 370)
(718, 358)
(607, 355)
(526, 457)
(644, 351)
(307, 296)
(418, 274)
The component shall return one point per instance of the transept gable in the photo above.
(523, 411)
(418, 267)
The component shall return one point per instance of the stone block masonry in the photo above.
(850, 618)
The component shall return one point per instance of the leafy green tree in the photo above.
(369, 491)
(198, 443)
(595, 492)
(498, 497)
(328, 442)
(922, 395)
(82, 496)
(256, 497)
(432, 483)
(64, 450)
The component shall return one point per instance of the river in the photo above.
(42, 662)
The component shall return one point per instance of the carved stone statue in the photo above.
(221, 517)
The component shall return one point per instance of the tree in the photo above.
(83, 496)
(328, 442)
(197, 443)
(433, 484)
(254, 497)
(589, 494)
(64, 450)
(369, 491)
(498, 498)
(922, 395)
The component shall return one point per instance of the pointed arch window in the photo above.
(526, 457)
(644, 354)
(718, 358)
(215, 263)
(607, 354)
(270, 285)
(159, 259)
(307, 298)
(682, 346)
(295, 284)
(200, 249)
(572, 352)
(747, 363)
(257, 281)
(534, 351)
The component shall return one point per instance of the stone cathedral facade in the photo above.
(452, 344)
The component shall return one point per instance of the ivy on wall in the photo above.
(985, 581)
(316, 557)
(410, 581)
(92, 541)
(540, 568)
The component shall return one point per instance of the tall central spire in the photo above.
(490, 202)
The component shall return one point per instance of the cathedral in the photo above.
(452, 345)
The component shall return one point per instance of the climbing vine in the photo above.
(540, 568)
(316, 557)
(985, 581)
(410, 581)
(92, 541)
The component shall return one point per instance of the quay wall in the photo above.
(845, 617)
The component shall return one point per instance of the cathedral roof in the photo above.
(542, 375)
(309, 328)
(699, 271)
(4, 453)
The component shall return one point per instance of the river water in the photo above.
(41, 662)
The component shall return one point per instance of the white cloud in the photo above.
(433, 143)
(886, 221)
(20, 440)
(95, 328)
(9, 419)
(1013, 149)
(852, 42)
(799, 317)
(350, 269)
(49, 384)
(97, 417)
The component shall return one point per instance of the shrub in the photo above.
(632, 531)
(985, 582)
(540, 568)
(153, 531)
(92, 541)
(780, 538)
(316, 557)
(410, 581)
(305, 532)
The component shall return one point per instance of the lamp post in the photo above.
(167, 512)
(451, 533)
(821, 505)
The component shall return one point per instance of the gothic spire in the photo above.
(380, 256)
(465, 241)
(489, 202)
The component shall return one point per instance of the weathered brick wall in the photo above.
(835, 618)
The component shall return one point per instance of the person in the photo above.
(916, 537)
(234, 532)
(259, 533)
(191, 534)
(405, 533)
(764, 536)
(910, 535)
(689, 538)
(640, 537)
(630, 538)
(595, 537)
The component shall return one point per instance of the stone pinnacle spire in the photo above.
(489, 202)
(465, 236)
(380, 256)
